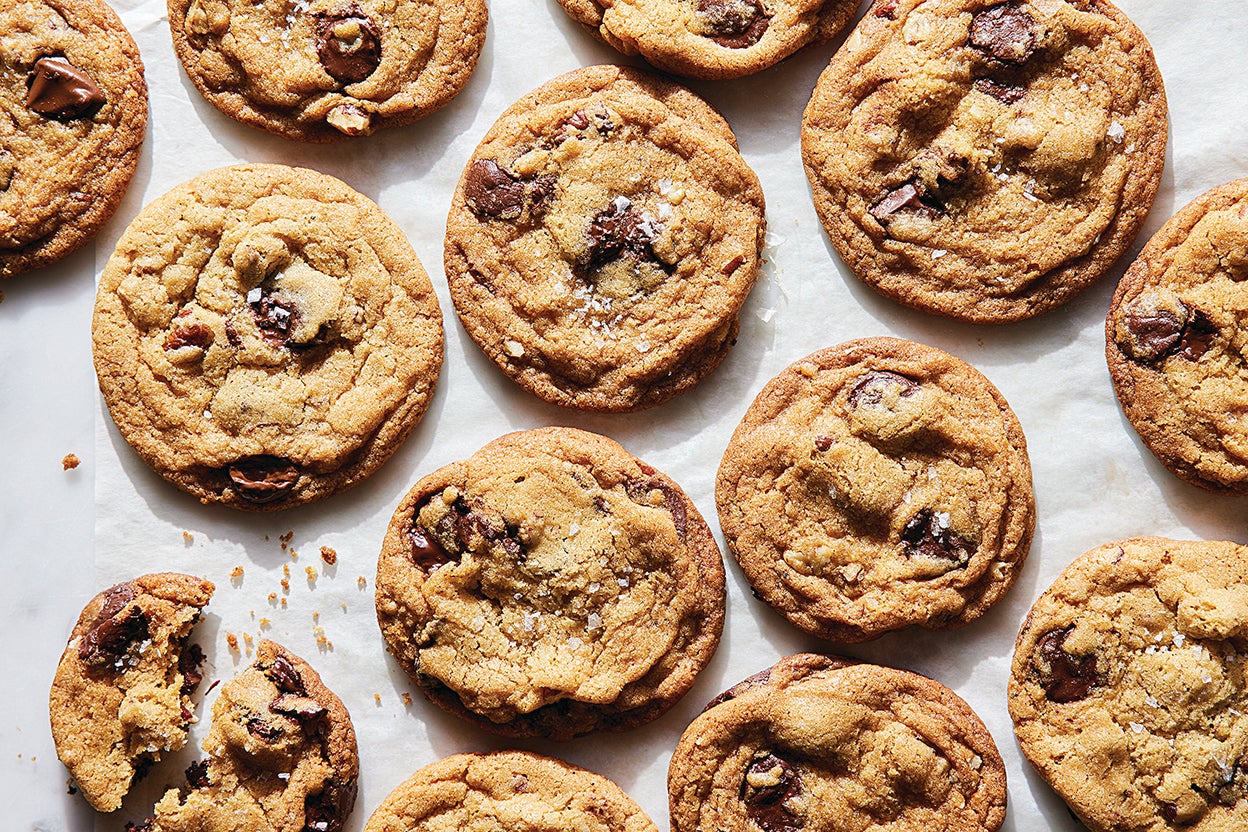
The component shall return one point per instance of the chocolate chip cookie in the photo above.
(550, 585)
(265, 336)
(122, 690)
(875, 485)
(986, 160)
(282, 756)
(824, 743)
(1176, 339)
(507, 790)
(712, 39)
(76, 107)
(1128, 687)
(603, 238)
(324, 70)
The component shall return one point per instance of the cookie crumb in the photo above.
(294, 555)
(311, 576)
(247, 640)
(70, 461)
(188, 538)
(377, 699)
(232, 641)
(265, 623)
(236, 574)
(283, 603)
(286, 538)
(407, 700)
(70, 788)
(361, 582)
(272, 597)
(329, 555)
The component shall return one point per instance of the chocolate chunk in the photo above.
(115, 597)
(620, 231)
(299, 707)
(493, 191)
(284, 675)
(769, 783)
(57, 89)
(734, 24)
(739, 688)
(1197, 335)
(426, 552)
(262, 729)
(909, 199)
(1005, 93)
(189, 335)
(276, 316)
(1006, 32)
(1070, 678)
(464, 528)
(190, 660)
(1161, 333)
(348, 45)
(928, 535)
(197, 774)
(639, 492)
(325, 810)
(141, 826)
(869, 389)
(110, 638)
(541, 188)
(263, 478)
(823, 442)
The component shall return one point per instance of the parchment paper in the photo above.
(1094, 480)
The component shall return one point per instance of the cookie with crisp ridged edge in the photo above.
(819, 742)
(986, 161)
(603, 238)
(282, 756)
(1128, 688)
(326, 70)
(265, 336)
(712, 39)
(506, 790)
(122, 691)
(1175, 341)
(876, 485)
(550, 585)
(76, 100)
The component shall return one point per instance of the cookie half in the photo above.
(712, 39)
(1175, 341)
(1128, 688)
(265, 336)
(603, 238)
(824, 743)
(983, 160)
(876, 485)
(282, 756)
(325, 70)
(507, 790)
(76, 103)
(550, 585)
(122, 691)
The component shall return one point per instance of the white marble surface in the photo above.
(64, 534)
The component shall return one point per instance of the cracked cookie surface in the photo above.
(603, 238)
(72, 88)
(875, 485)
(325, 70)
(265, 336)
(986, 161)
(507, 790)
(712, 39)
(1128, 688)
(550, 585)
(282, 756)
(822, 743)
(122, 691)
(1176, 339)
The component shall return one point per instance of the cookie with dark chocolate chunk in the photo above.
(1128, 688)
(818, 742)
(75, 103)
(712, 39)
(876, 485)
(282, 756)
(550, 585)
(326, 70)
(986, 160)
(122, 691)
(1175, 343)
(603, 239)
(265, 336)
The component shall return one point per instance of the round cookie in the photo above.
(282, 756)
(1176, 336)
(875, 485)
(712, 39)
(824, 743)
(603, 238)
(506, 790)
(122, 690)
(265, 336)
(983, 160)
(550, 585)
(324, 70)
(76, 103)
(1128, 688)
